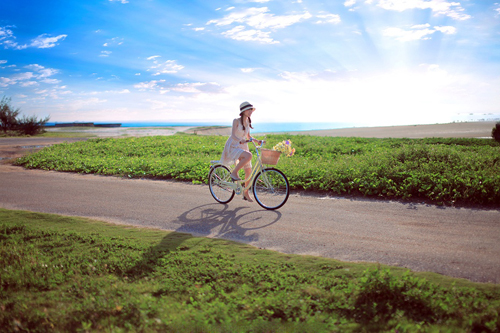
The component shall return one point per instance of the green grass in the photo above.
(437, 170)
(72, 274)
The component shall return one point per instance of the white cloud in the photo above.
(447, 30)
(5, 33)
(248, 70)
(195, 88)
(199, 87)
(350, 3)
(116, 41)
(3, 62)
(421, 26)
(167, 67)
(328, 18)
(198, 29)
(34, 67)
(123, 91)
(4, 82)
(497, 10)
(22, 76)
(439, 7)
(51, 81)
(44, 41)
(7, 39)
(105, 53)
(239, 33)
(259, 18)
(46, 72)
(408, 35)
(25, 79)
(28, 84)
(417, 32)
(153, 84)
(121, 1)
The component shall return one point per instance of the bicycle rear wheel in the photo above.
(221, 193)
(271, 188)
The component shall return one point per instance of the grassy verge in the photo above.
(442, 171)
(70, 274)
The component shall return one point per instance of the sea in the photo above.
(257, 127)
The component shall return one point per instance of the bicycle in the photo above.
(269, 185)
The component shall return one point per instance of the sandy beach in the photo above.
(451, 130)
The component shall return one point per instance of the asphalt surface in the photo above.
(458, 242)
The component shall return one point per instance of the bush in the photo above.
(31, 125)
(495, 133)
(27, 125)
(8, 115)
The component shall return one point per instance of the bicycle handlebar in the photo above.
(252, 141)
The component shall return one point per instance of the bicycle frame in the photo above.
(238, 186)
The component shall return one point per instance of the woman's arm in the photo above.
(233, 132)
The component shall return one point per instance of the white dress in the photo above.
(233, 148)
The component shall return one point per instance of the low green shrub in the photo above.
(443, 171)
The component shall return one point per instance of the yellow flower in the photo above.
(285, 147)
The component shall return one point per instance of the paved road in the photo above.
(456, 242)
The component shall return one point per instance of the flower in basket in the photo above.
(285, 147)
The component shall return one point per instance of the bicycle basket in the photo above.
(270, 156)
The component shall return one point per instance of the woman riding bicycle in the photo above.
(236, 149)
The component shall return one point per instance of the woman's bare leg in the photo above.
(245, 157)
(248, 173)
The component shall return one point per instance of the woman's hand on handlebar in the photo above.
(260, 142)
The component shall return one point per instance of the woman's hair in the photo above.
(249, 121)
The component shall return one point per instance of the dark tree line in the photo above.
(495, 133)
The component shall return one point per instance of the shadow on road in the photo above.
(207, 220)
(220, 221)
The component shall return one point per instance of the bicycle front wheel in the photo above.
(221, 193)
(271, 188)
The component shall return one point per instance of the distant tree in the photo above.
(495, 133)
(8, 115)
(27, 125)
(31, 125)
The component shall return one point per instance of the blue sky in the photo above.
(366, 62)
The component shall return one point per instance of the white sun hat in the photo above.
(245, 106)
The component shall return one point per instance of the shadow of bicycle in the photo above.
(217, 220)
(212, 220)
